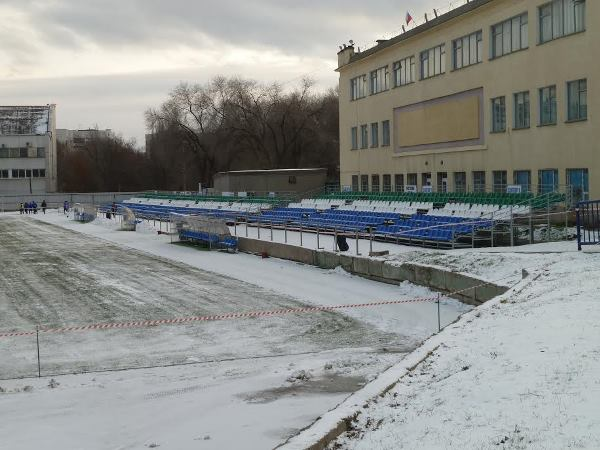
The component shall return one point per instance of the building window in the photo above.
(387, 183)
(14, 153)
(358, 87)
(460, 182)
(500, 181)
(548, 105)
(561, 18)
(411, 179)
(375, 134)
(3, 152)
(385, 133)
(380, 80)
(467, 50)
(510, 36)
(579, 182)
(364, 136)
(399, 182)
(548, 181)
(364, 183)
(498, 115)
(577, 100)
(42, 173)
(41, 152)
(522, 178)
(522, 110)
(374, 183)
(478, 181)
(426, 179)
(23, 153)
(404, 71)
(354, 138)
(354, 183)
(433, 61)
(442, 182)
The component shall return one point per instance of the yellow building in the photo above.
(490, 96)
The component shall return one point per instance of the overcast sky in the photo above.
(103, 62)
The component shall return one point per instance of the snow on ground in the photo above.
(500, 265)
(521, 372)
(246, 384)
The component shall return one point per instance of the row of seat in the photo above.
(229, 206)
(501, 198)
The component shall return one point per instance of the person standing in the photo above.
(66, 206)
(21, 208)
(44, 206)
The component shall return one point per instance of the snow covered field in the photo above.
(520, 372)
(248, 383)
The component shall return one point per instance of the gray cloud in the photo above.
(310, 29)
(299, 27)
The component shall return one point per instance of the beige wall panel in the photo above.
(450, 120)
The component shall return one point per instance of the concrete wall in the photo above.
(271, 181)
(56, 200)
(467, 289)
(562, 146)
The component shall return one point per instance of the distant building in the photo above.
(77, 139)
(28, 162)
(264, 181)
(490, 96)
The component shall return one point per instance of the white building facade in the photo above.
(28, 160)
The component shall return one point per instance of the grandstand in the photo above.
(430, 219)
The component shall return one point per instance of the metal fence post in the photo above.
(37, 341)
(512, 233)
(301, 243)
(371, 241)
(438, 312)
(271, 231)
(335, 240)
(357, 253)
(285, 232)
(578, 215)
(548, 221)
(531, 235)
(566, 223)
(258, 230)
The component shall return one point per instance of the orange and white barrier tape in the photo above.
(231, 316)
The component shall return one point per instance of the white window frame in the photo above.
(433, 61)
(404, 71)
(467, 50)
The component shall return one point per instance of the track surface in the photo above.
(53, 277)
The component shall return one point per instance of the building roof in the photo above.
(269, 171)
(453, 14)
(25, 120)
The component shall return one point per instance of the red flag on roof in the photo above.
(409, 18)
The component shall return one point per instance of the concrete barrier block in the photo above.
(423, 275)
(375, 268)
(398, 273)
(347, 263)
(360, 266)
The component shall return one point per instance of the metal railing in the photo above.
(588, 223)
